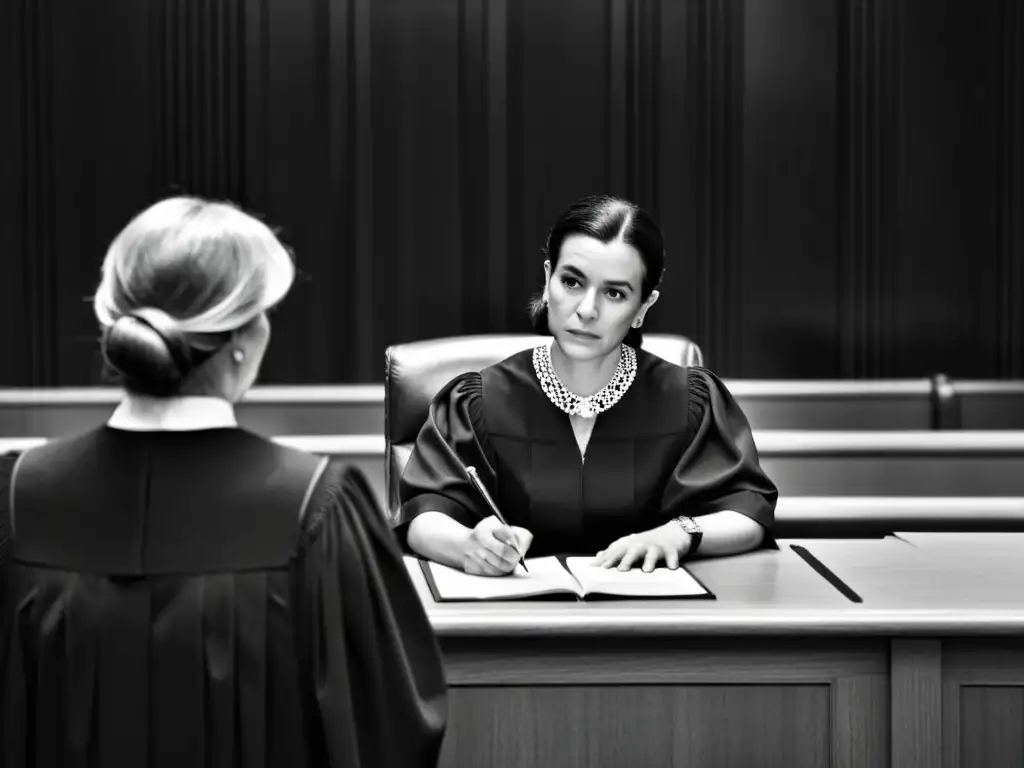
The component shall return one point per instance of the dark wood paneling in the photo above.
(798, 469)
(15, 88)
(483, 165)
(359, 409)
(699, 172)
(1011, 193)
(729, 725)
(651, 701)
(308, 98)
(991, 726)
(881, 411)
(787, 272)
(840, 182)
(989, 404)
(860, 721)
(649, 660)
(916, 680)
(565, 111)
(887, 474)
(982, 704)
(945, 281)
(352, 409)
(868, 182)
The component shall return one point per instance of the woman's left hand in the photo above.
(666, 542)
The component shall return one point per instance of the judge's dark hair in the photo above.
(606, 219)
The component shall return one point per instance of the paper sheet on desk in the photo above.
(661, 582)
(547, 576)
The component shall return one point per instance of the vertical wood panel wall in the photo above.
(840, 182)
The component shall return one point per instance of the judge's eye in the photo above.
(615, 295)
(570, 282)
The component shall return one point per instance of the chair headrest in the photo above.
(417, 371)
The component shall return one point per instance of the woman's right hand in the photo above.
(493, 548)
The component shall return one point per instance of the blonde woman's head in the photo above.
(183, 297)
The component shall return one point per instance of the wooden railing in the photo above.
(935, 403)
(830, 483)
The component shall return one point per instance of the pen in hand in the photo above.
(494, 508)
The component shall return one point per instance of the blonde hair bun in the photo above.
(177, 281)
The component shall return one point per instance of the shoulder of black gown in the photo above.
(340, 489)
(377, 686)
(213, 500)
(698, 396)
(458, 405)
(720, 469)
(515, 405)
(655, 403)
(454, 436)
(514, 369)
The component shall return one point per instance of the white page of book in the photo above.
(661, 582)
(546, 575)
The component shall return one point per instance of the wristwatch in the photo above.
(695, 531)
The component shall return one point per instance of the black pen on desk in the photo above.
(494, 507)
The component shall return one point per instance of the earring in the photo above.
(238, 356)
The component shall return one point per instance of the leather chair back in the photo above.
(416, 371)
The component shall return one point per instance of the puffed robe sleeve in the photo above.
(453, 437)
(719, 470)
(378, 695)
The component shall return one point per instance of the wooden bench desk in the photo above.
(780, 670)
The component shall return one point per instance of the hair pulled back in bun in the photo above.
(606, 218)
(149, 360)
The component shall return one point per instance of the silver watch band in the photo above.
(694, 530)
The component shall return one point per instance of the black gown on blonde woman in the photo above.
(205, 598)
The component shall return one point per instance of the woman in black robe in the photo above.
(177, 591)
(589, 444)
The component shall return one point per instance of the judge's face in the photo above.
(593, 295)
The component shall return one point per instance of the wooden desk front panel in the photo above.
(594, 702)
(927, 672)
(929, 702)
(982, 703)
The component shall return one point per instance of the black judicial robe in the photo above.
(676, 443)
(163, 604)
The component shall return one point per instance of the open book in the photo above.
(549, 577)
